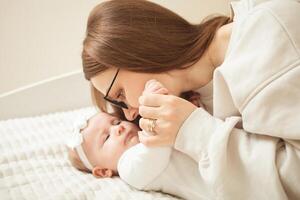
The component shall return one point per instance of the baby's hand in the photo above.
(153, 86)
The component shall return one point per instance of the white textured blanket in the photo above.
(34, 163)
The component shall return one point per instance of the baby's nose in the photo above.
(120, 129)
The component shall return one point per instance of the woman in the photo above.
(248, 70)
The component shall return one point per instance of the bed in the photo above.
(42, 90)
(34, 163)
(35, 122)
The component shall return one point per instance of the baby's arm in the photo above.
(136, 164)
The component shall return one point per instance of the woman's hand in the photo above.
(169, 112)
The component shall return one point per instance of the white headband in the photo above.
(76, 141)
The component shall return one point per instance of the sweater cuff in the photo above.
(195, 134)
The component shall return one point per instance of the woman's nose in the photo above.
(131, 113)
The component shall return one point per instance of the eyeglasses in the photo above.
(119, 104)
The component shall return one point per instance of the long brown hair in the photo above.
(141, 36)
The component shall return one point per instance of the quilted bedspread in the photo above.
(34, 163)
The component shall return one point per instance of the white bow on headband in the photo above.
(76, 140)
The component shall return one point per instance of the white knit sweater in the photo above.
(258, 84)
(249, 147)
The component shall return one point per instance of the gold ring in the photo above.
(151, 125)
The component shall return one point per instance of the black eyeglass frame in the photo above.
(119, 104)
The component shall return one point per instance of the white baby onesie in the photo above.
(138, 165)
(163, 169)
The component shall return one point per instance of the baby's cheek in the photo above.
(116, 148)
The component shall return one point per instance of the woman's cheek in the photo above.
(133, 97)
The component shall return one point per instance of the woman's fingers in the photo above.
(151, 141)
(169, 116)
(162, 115)
(149, 112)
(146, 123)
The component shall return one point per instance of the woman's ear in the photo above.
(99, 172)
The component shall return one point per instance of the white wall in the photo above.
(42, 38)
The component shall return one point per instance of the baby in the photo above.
(107, 146)
(102, 130)
(104, 139)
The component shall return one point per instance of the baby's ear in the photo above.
(99, 172)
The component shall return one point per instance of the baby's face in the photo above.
(106, 138)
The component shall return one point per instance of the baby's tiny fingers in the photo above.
(162, 91)
(149, 83)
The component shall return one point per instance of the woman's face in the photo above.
(127, 87)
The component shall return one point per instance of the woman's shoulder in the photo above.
(262, 46)
(244, 9)
(265, 22)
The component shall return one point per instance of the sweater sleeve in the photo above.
(258, 85)
(272, 106)
(261, 71)
(238, 164)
